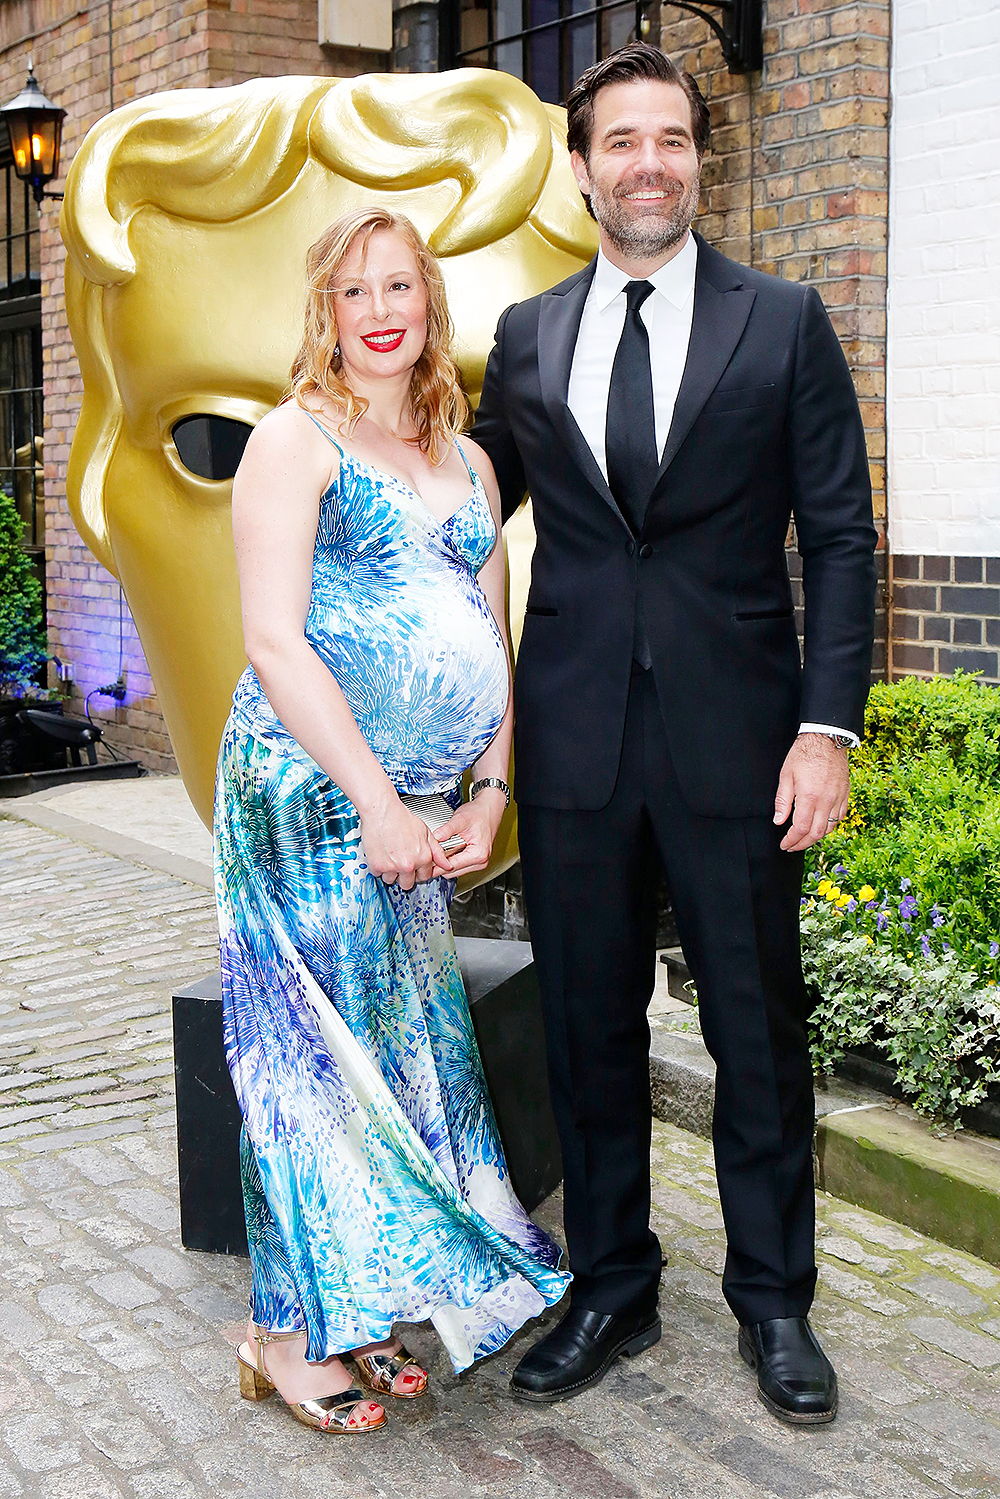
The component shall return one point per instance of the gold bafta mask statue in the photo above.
(186, 221)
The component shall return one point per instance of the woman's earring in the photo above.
(336, 351)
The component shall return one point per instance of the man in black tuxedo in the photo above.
(669, 412)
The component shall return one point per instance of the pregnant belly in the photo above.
(427, 700)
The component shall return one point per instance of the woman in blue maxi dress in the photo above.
(374, 1180)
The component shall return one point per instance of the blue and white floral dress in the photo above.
(374, 1180)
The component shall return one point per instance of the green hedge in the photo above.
(901, 919)
(22, 629)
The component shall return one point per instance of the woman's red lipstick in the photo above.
(385, 340)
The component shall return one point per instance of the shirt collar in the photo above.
(675, 280)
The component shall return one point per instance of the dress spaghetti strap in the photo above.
(472, 473)
(315, 420)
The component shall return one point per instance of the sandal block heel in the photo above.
(254, 1386)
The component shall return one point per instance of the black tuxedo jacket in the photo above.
(766, 426)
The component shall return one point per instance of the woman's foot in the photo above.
(297, 1381)
(405, 1381)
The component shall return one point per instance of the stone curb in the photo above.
(92, 835)
(881, 1157)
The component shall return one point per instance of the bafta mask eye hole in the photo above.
(210, 446)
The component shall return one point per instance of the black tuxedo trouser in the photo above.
(589, 883)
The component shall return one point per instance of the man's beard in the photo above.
(643, 236)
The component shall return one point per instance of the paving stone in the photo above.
(964, 1266)
(68, 1306)
(12, 1191)
(214, 1304)
(83, 1482)
(37, 1443)
(166, 1483)
(166, 1266)
(774, 1473)
(953, 1423)
(120, 1347)
(971, 1347)
(152, 1208)
(948, 1293)
(582, 1473)
(124, 1290)
(853, 1253)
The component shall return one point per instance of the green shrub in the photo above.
(930, 1017)
(901, 919)
(925, 809)
(22, 632)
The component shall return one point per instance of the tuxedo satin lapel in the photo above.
(559, 317)
(716, 328)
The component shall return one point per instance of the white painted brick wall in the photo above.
(943, 359)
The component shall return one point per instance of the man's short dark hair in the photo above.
(635, 61)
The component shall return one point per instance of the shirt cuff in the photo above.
(826, 728)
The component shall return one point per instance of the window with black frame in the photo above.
(547, 43)
(21, 457)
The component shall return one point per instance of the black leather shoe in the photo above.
(580, 1351)
(795, 1379)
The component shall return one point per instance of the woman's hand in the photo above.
(477, 822)
(399, 847)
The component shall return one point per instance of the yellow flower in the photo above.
(870, 941)
(833, 893)
(823, 887)
(844, 900)
(866, 893)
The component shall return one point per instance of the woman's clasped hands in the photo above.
(400, 848)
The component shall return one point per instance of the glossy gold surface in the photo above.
(186, 220)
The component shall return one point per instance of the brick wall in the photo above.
(797, 181)
(155, 45)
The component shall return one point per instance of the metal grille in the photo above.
(19, 267)
(21, 456)
(547, 43)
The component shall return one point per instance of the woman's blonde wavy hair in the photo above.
(440, 409)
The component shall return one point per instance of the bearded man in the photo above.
(670, 411)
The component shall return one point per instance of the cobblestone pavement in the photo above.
(117, 1378)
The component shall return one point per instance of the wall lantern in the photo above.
(740, 30)
(35, 126)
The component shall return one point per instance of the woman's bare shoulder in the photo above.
(290, 429)
(478, 458)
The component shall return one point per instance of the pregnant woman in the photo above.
(372, 589)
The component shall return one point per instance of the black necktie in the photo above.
(630, 436)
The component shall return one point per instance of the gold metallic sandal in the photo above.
(327, 1413)
(378, 1372)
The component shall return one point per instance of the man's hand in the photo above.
(813, 780)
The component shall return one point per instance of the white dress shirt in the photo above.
(668, 315)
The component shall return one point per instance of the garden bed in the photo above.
(901, 915)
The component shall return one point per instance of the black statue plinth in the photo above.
(503, 995)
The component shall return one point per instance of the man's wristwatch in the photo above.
(478, 786)
(842, 741)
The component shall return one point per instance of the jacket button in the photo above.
(645, 550)
(630, 547)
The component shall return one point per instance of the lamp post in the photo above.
(35, 127)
